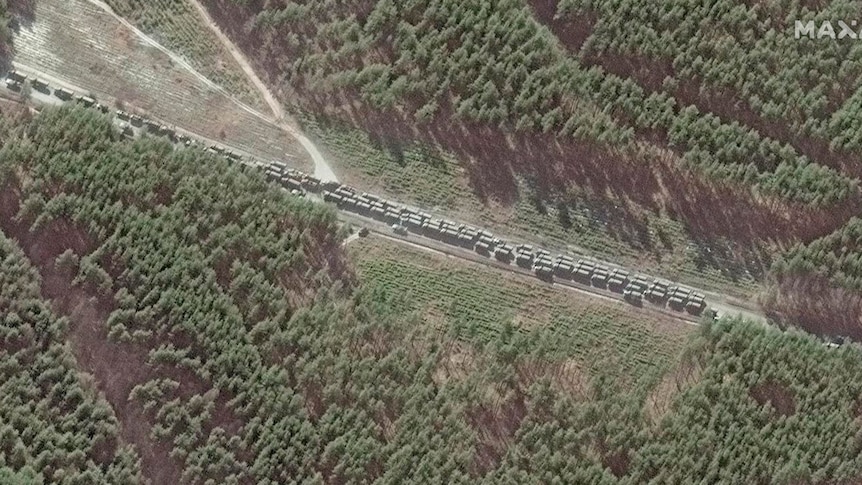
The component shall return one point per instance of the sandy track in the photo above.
(82, 43)
(240, 58)
(322, 170)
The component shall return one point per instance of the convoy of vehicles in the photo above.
(405, 220)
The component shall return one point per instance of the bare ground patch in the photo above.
(779, 396)
(494, 161)
(662, 396)
(725, 102)
(571, 30)
(495, 424)
(569, 375)
(457, 363)
(76, 41)
(811, 302)
(116, 367)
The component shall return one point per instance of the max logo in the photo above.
(826, 30)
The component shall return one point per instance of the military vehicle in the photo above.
(64, 94)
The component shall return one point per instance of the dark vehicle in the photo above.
(64, 94)
(544, 273)
(482, 248)
(582, 275)
(599, 278)
(290, 182)
(633, 297)
(87, 101)
(16, 76)
(378, 212)
(564, 270)
(503, 253)
(40, 85)
(676, 303)
(330, 186)
(524, 260)
(616, 284)
(126, 130)
(153, 127)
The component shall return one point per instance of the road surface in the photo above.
(322, 170)
(723, 305)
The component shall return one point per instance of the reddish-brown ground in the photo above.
(776, 394)
(117, 367)
(495, 424)
(811, 302)
(493, 157)
(726, 103)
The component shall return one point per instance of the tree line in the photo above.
(54, 427)
(267, 360)
(748, 51)
(492, 63)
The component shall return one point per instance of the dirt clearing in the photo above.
(77, 41)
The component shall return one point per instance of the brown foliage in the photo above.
(812, 303)
(495, 423)
(776, 394)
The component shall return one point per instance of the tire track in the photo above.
(322, 170)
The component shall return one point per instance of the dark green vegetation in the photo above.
(697, 141)
(819, 285)
(224, 327)
(740, 61)
(836, 256)
(53, 426)
(495, 63)
(743, 63)
(193, 269)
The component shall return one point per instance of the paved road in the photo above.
(723, 305)
(419, 242)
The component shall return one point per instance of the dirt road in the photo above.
(240, 59)
(322, 170)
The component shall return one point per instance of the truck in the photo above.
(40, 85)
(87, 101)
(16, 76)
(64, 94)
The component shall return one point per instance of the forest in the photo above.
(54, 426)
(192, 323)
(709, 114)
(495, 64)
